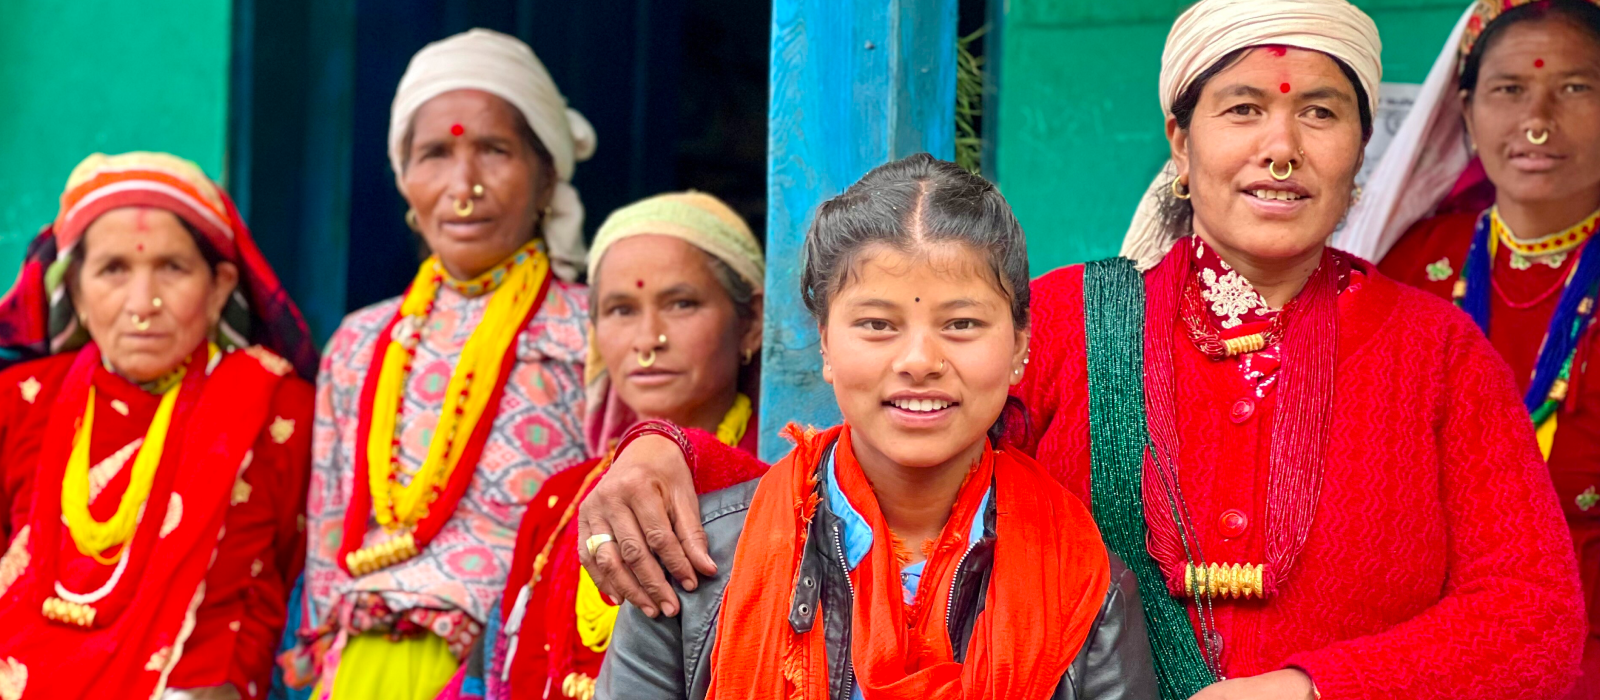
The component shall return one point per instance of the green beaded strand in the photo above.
(1113, 300)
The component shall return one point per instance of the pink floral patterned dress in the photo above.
(449, 588)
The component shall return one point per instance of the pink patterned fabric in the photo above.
(538, 432)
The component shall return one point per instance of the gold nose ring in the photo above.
(140, 323)
(1538, 140)
(647, 358)
(1272, 169)
(463, 207)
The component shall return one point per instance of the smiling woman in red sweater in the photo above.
(1325, 481)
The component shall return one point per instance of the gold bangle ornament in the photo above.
(382, 555)
(1176, 183)
(1537, 140)
(1245, 344)
(1224, 580)
(593, 543)
(463, 207)
(68, 612)
(1272, 169)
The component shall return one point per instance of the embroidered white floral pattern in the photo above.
(13, 679)
(16, 558)
(1231, 295)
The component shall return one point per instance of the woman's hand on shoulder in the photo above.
(1286, 684)
(646, 501)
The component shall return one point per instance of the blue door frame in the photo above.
(855, 83)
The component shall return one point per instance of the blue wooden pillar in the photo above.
(855, 83)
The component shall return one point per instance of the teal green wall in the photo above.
(1080, 132)
(79, 76)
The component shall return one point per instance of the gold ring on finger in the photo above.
(594, 542)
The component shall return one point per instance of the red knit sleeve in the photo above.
(1053, 388)
(717, 466)
(1509, 624)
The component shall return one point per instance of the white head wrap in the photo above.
(1212, 29)
(1424, 160)
(505, 67)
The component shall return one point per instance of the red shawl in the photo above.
(142, 623)
(1049, 578)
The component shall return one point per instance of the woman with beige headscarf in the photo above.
(1346, 500)
(441, 412)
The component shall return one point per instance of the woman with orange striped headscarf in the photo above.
(155, 457)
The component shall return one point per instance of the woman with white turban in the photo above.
(440, 413)
(1346, 500)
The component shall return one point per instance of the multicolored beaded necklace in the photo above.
(1574, 312)
(413, 512)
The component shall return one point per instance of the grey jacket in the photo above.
(670, 657)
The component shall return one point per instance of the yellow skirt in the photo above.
(374, 668)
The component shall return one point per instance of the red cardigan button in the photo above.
(1233, 523)
(1242, 410)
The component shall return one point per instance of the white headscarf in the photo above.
(1423, 162)
(1212, 29)
(505, 67)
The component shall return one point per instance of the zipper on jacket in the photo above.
(849, 668)
(955, 585)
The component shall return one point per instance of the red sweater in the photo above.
(1516, 333)
(1437, 565)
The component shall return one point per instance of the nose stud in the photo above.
(477, 190)
(1538, 140)
(1272, 169)
(155, 302)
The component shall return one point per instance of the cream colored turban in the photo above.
(505, 67)
(1212, 29)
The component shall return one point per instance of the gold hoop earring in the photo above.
(1176, 183)
(749, 354)
(1538, 141)
(463, 207)
(1272, 169)
(477, 190)
(647, 358)
(1355, 195)
(411, 221)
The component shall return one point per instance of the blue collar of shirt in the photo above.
(857, 536)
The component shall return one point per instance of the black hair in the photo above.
(1580, 13)
(1178, 214)
(905, 203)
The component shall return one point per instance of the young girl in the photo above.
(918, 278)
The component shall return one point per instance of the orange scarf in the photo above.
(1047, 584)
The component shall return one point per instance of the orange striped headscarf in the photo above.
(102, 183)
(36, 316)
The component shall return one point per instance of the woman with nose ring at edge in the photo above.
(156, 453)
(906, 554)
(1344, 500)
(675, 292)
(440, 413)
(1511, 114)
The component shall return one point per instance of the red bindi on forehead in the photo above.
(1284, 88)
(457, 130)
(1279, 51)
(639, 284)
(1538, 63)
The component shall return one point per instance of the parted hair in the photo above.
(905, 204)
